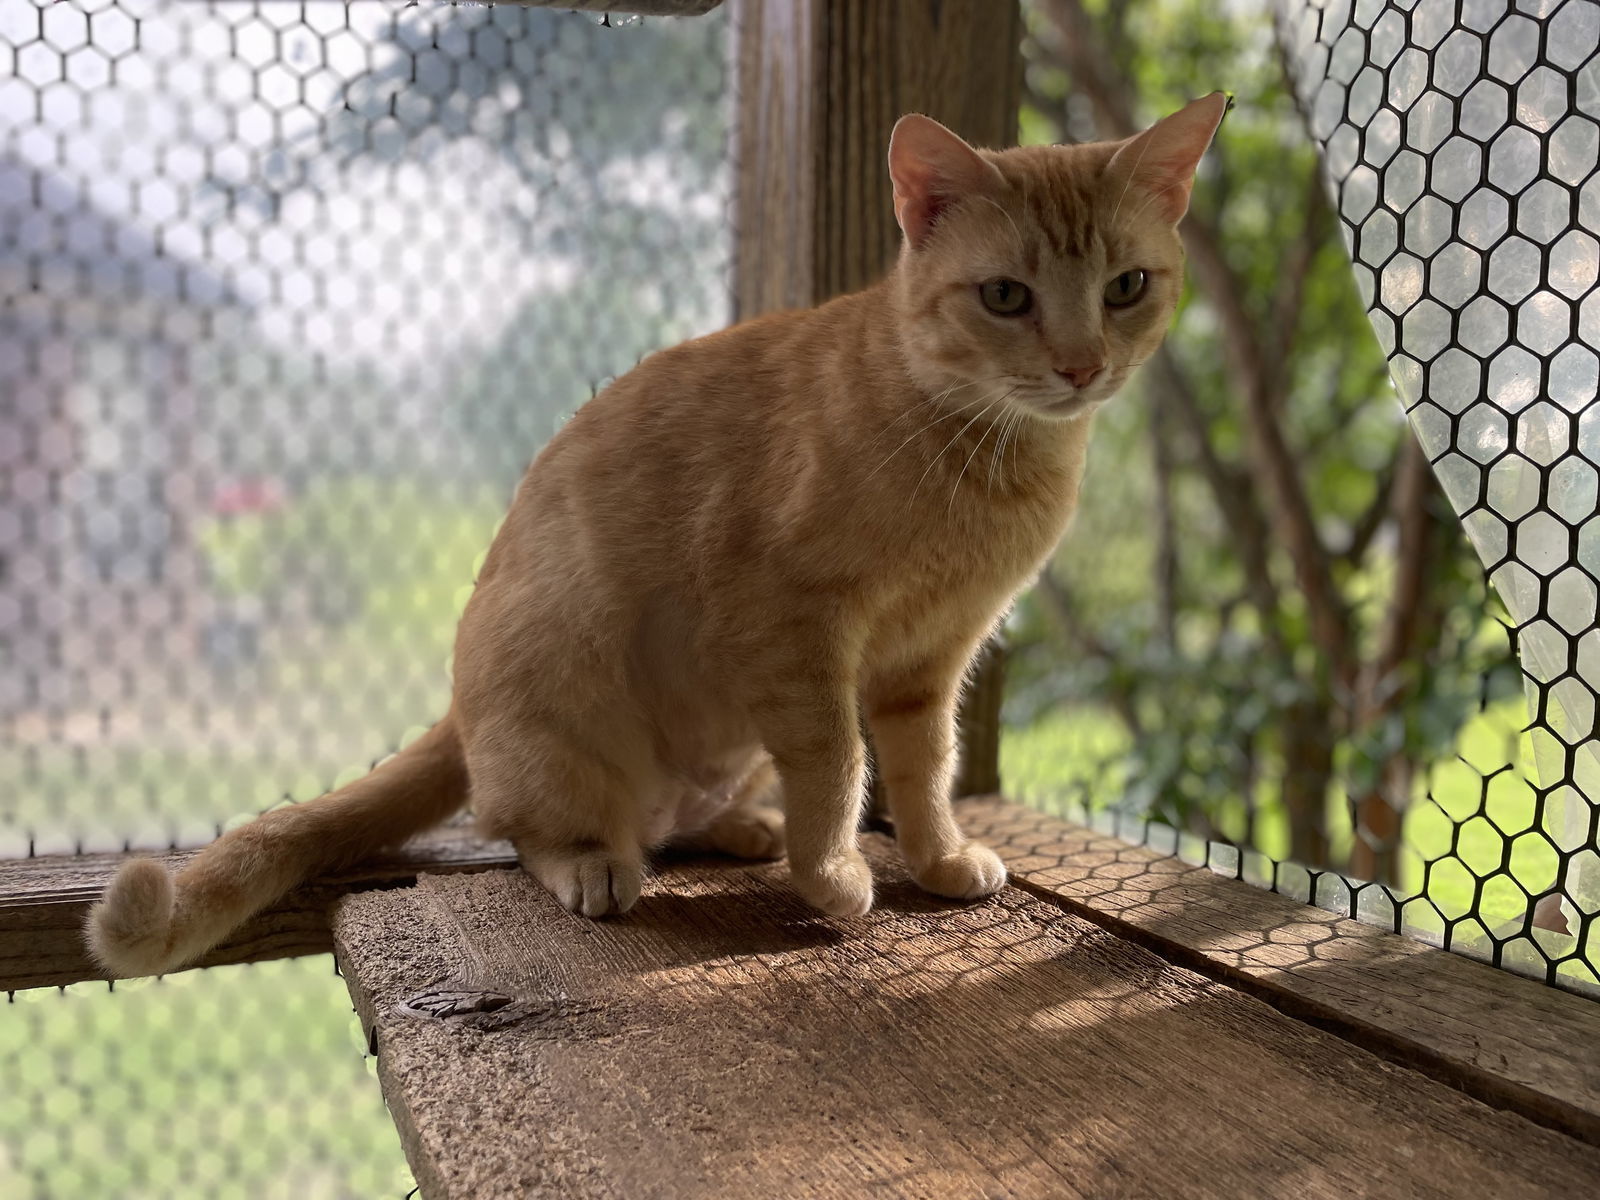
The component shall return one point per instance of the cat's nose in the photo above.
(1081, 377)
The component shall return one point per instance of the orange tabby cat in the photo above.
(750, 542)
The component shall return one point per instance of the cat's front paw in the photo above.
(970, 873)
(840, 886)
(591, 882)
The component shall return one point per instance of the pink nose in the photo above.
(1081, 376)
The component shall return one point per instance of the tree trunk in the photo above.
(1375, 854)
(1308, 740)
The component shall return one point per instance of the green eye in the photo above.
(1125, 289)
(1006, 297)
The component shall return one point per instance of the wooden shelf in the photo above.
(723, 1040)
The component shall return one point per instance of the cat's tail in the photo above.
(149, 921)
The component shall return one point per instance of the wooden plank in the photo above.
(1510, 1041)
(723, 1041)
(820, 83)
(43, 902)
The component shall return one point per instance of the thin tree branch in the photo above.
(1058, 601)
(1409, 610)
(1386, 683)
(1245, 521)
(1166, 560)
(1290, 298)
(1371, 519)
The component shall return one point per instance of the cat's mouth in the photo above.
(1065, 408)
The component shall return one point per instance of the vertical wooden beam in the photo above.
(820, 84)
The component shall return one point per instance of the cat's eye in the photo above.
(1006, 297)
(1125, 289)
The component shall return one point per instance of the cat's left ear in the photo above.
(931, 169)
(1162, 160)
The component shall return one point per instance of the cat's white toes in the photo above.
(749, 833)
(840, 886)
(971, 872)
(592, 882)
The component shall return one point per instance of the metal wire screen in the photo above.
(292, 292)
(1460, 138)
(1164, 679)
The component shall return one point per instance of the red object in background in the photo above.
(252, 494)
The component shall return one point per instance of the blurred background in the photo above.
(293, 293)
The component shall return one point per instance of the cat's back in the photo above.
(722, 398)
(708, 425)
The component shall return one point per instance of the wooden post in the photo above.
(820, 84)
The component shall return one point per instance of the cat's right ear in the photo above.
(931, 168)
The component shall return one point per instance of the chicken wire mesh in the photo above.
(1459, 140)
(233, 1082)
(292, 292)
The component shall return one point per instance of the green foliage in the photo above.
(1200, 675)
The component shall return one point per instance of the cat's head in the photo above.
(1040, 277)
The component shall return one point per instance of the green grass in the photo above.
(322, 701)
(1473, 848)
(236, 1082)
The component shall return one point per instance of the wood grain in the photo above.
(721, 1041)
(43, 902)
(820, 84)
(1510, 1041)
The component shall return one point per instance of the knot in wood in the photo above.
(454, 1002)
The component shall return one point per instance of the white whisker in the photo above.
(994, 398)
(920, 430)
(961, 474)
(1014, 419)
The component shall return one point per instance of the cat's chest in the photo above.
(973, 556)
(997, 548)
(1001, 527)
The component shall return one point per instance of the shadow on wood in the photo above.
(723, 1040)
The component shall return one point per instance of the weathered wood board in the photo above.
(1505, 1039)
(43, 903)
(722, 1040)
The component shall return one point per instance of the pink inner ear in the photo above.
(931, 169)
(917, 206)
(1162, 160)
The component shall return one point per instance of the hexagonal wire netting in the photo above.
(292, 294)
(1460, 140)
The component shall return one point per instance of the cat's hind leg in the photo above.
(572, 817)
(750, 827)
